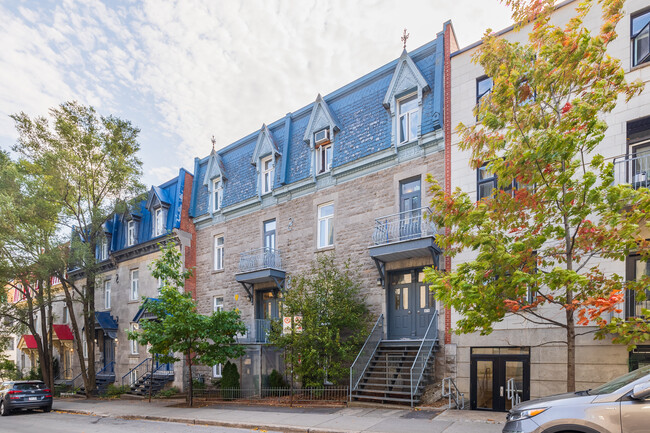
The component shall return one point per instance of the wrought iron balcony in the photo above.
(258, 332)
(261, 258)
(633, 170)
(403, 226)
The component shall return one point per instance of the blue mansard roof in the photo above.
(363, 128)
(169, 196)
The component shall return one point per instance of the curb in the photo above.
(208, 422)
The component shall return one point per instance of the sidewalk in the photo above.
(297, 419)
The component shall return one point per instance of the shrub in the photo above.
(276, 380)
(113, 391)
(168, 392)
(230, 381)
(198, 384)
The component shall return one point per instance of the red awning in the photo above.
(30, 341)
(63, 332)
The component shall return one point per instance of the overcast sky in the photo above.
(185, 70)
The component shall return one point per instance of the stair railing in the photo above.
(512, 393)
(424, 354)
(451, 391)
(146, 363)
(108, 368)
(360, 364)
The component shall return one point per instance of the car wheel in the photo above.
(3, 409)
(46, 409)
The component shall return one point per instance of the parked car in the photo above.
(24, 394)
(619, 406)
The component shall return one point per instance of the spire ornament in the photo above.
(214, 141)
(405, 37)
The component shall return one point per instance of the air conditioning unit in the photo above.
(322, 137)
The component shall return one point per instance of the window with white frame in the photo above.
(134, 344)
(217, 304)
(218, 253)
(640, 38)
(84, 345)
(103, 250)
(324, 158)
(217, 194)
(130, 233)
(267, 174)
(216, 371)
(135, 282)
(64, 314)
(158, 224)
(409, 118)
(160, 284)
(326, 225)
(107, 294)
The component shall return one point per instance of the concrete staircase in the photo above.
(155, 383)
(387, 378)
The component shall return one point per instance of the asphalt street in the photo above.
(36, 421)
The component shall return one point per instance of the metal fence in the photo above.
(261, 258)
(275, 394)
(411, 224)
(633, 169)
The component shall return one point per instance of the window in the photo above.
(103, 250)
(216, 371)
(325, 225)
(217, 194)
(130, 233)
(641, 38)
(409, 119)
(267, 175)
(483, 87)
(84, 345)
(158, 224)
(64, 314)
(218, 253)
(324, 158)
(487, 183)
(636, 270)
(217, 304)
(135, 278)
(134, 344)
(107, 295)
(160, 284)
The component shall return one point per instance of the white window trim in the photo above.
(134, 285)
(217, 194)
(217, 304)
(321, 153)
(270, 172)
(103, 253)
(107, 294)
(218, 253)
(159, 222)
(409, 114)
(65, 314)
(84, 346)
(330, 222)
(217, 371)
(134, 344)
(130, 233)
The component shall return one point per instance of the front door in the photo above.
(500, 378)
(109, 354)
(409, 207)
(410, 305)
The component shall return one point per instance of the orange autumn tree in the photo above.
(540, 240)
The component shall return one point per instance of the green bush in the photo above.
(276, 380)
(230, 381)
(168, 392)
(113, 391)
(198, 384)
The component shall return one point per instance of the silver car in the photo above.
(619, 406)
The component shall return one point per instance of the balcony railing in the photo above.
(633, 170)
(258, 332)
(262, 258)
(411, 224)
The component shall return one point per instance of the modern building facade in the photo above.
(518, 349)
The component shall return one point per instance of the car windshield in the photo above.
(621, 381)
(29, 386)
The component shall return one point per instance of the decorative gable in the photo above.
(406, 77)
(215, 169)
(321, 118)
(157, 198)
(265, 145)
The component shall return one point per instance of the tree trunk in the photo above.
(190, 392)
(75, 329)
(570, 352)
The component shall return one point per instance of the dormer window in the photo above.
(130, 233)
(323, 151)
(217, 194)
(158, 222)
(409, 119)
(267, 174)
(103, 250)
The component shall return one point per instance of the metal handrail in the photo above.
(456, 395)
(411, 224)
(134, 368)
(424, 354)
(105, 368)
(367, 351)
(260, 258)
(512, 393)
(61, 375)
(633, 170)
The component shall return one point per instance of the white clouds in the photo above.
(186, 69)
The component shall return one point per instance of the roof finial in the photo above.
(405, 37)
(214, 141)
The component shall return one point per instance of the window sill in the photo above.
(218, 271)
(640, 66)
(133, 301)
(134, 355)
(322, 249)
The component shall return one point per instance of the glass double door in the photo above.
(498, 382)
(411, 305)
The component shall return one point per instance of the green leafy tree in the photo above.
(557, 213)
(88, 163)
(334, 320)
(179, 328)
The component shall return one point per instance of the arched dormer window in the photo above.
(214, 179)
(264, 158)
(404, 100)
(320, 136)
(158, 205)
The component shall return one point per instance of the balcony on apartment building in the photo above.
(260, 265)
(404, 235)
(633, 169)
